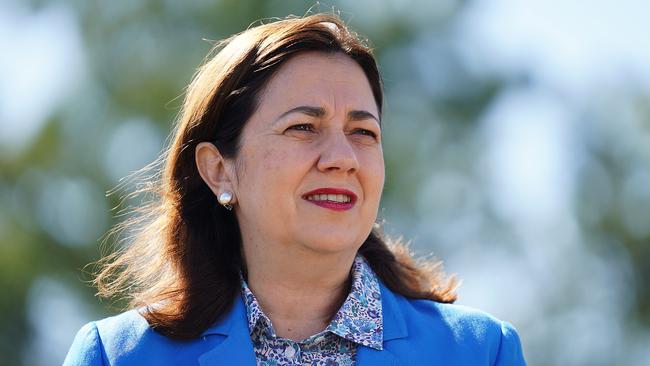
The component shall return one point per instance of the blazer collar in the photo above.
(394, 322)
(237, 348)
(394, 330)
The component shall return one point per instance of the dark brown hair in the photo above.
(183, 251)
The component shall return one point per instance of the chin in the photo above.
(329, 243)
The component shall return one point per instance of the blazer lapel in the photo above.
(237, 348)
(394, 330)
(367, 356)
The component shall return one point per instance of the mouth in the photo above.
(331, 198)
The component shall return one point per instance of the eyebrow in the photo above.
(355, 115)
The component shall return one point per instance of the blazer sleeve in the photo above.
(86, 349)
(510, 353)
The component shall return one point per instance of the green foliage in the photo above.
(139, 55)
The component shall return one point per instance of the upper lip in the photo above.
(353, 197)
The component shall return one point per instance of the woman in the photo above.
(261, 248)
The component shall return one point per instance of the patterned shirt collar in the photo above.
(359, 319)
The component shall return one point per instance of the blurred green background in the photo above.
(517, 143)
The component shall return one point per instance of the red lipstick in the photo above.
(338, 203)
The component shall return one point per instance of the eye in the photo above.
(302, 127)
(363, 131)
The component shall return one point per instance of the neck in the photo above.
(299, 293)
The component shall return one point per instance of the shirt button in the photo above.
(292, 351)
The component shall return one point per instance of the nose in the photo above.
(338, 154)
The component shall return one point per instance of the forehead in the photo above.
(318, 79)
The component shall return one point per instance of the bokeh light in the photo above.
(516, 138)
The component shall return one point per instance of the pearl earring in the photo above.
(224, 199)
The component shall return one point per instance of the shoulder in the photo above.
(462, 323)
(456, 332)
(85, 349)
(127, 339)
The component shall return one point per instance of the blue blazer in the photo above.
(416, 332)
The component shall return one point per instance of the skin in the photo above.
(298, 255)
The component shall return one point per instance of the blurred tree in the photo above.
(138, 57)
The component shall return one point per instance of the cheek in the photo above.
(265, 170)
(272, 159)
(374, 173)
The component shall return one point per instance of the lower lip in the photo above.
(336, 206)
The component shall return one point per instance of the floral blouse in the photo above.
(357, 322)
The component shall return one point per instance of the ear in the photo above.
(215, 171)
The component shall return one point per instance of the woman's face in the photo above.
(310, 168)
